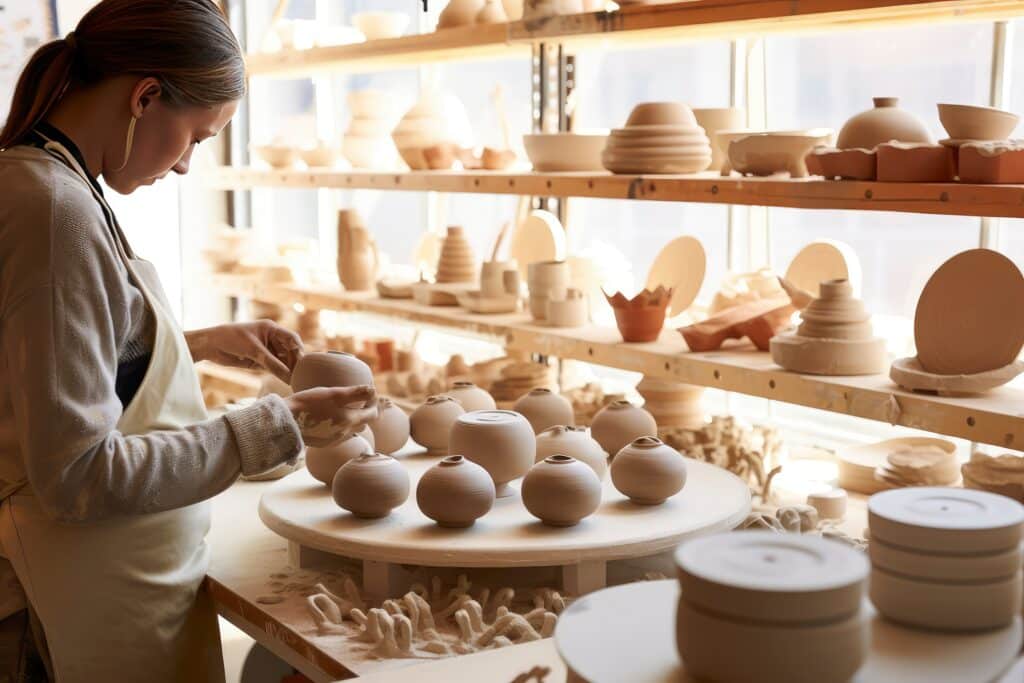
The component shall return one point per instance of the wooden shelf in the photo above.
(959, 199)
(995, 418)
(636, 25)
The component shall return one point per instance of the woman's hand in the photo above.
(262, 344)
(328, 414)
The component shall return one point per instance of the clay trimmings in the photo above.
(834, 337)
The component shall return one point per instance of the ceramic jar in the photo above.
(455, 492)
(544, 408)
(500, 441)
(574, 442)
(561, 491)
(371, 486)
(390, 428)
(431, 423)
(330, 369)
(618, 423)
(883, 123)
(470, 396)
(648, 472)
(324, 463)
(357, 253)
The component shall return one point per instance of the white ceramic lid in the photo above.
(489, 418)
(949, 521)
(769, 576)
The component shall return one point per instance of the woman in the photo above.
(106, 452)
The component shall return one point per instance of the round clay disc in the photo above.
(970, 317)
(954, 568)
(540, 237)
(824, 260)
(946, 521)
(770, 576)
(681, 265)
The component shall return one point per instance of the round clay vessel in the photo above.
(330, 369)
(544, 408)
(561, 491)
(661, 114)
(618, 423)
(471, 397)
(391, 428)
(455, 492)
(431, 423)
(324, 463)
(885, 122)
(574, 442)
(967, 122)
(500, 441)
(371, 486)
(648, 472)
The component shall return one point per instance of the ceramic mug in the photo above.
(492, 279)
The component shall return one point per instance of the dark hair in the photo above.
(186, 44)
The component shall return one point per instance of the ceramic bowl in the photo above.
(322, 156)
(324, 463)
(431, 423)
(661, 114)
(648, 472)
(544, 408)
(391, 427)
(276, 156)
(500, 441)
(965, 122)
(330, 369)
(381, 25)
(470, 396)
(555, 152)
(775, 152)
(371, 486)
(455, 492)
(619, 423)
(574, 442)
(561, 491)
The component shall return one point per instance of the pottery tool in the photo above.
(505, 227)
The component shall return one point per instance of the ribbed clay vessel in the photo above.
(883, 123)
(456, 263)
(324, 463)
(561, 491)
(391, 428)
(648, 472)
(330, 369)
(431, 423)
(371, 486)
(618, 423)
(574, 442)
(500, 441)
(455, 492)
(471, 397)
(544, 408)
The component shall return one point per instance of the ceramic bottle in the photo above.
(574, 442)
(357, 253)
(391, 428)
(371, 486)
(470, 396)
(455, 492)
(648, 472)
(500, 441)
(431, 423)
(884, 122)
(618, 423)
(330, 369)
(561, 491)
(324, 463)
(544, 408)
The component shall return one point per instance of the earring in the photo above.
(128, 142)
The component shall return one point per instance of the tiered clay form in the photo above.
(659, 137)
(834, 337)
(456, 263)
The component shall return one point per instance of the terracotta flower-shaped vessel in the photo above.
(641, 318)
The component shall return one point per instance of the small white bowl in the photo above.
(277, 156)
(565, 151)
(381, 25)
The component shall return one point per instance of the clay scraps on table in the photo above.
(799, 519)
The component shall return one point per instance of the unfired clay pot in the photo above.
(357, 253)
(431, 423)
(371, 486)
(561, 491)
(460, 13)
(456, 262)
(574, 442)
(648, 472)
(885, 122)
(330, 369)
(471, 397)
(500, 441)
(391, 428)
(324, 463)
(618, 423)
(544, 408)
(455, 492)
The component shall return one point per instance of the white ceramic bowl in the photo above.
(565, 151)
(381, 25)
(966, 122)
(277, 156)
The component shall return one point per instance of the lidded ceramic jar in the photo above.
(574, 442)
(618, 423)
(500, 441)
(455, 492)
(885, 122)
(431, 423)
(330, 369)
(391, 427)
(544, 408)
(324, 463)
(648, 472)
(471, 397)
(561, 491)
(371, 486)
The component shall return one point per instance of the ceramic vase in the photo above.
(455, 492)
(618, 423)
(330, 369)
(471, 397)
(561, 491)
(456, 262)
(460, 13)
(391, 428)
(500, 441)
(574, 442)
(431, 423)
(883, 123)
(324, 463)
(371, 486)
(673, 404)
(357, 253)
(648, 472)
(544, 408)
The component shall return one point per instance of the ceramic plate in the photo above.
(681, 265)
(540, 237)
(824, 260)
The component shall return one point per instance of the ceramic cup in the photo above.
(561, 491)
(548, 278)
(371, 486)
(492, 279)
(455, 492)
(500, 441)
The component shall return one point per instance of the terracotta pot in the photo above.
(544, 408)
(455, 492)
(915, 163)
(500, 441)
(885, 122)
(330, 369)
(618, 423)
(431, 423)
(324, 463)
(561, 491)
(357, 253)
(391, 428)
(648, 472)
(641, 318)
(574, 442)
(471, 397)
(371, 486)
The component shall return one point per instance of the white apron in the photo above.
(122, 599)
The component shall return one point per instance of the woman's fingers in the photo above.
(285, 344)
(271, 363)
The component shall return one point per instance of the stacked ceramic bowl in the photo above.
(946, 558)
(547, 281)
(755, 604)
(659, 137)
(367, 142)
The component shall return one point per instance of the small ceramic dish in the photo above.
(276, 156)
(967, 122)
(768, 153)
(322, 156)
(557, 152)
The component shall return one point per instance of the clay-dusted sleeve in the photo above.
(266, 434)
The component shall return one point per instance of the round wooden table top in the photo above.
(301, 509)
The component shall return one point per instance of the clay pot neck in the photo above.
(440, 398)
(455, 231)
(463, 384)
(885, 102)
(372, 458)
(452, 461)
(540, 391)
(835, 289)
(559, 459)
(646, 442)
(621, 404)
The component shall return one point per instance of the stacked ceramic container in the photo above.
(547, 281)
(456, 262)
(367, 141)
(947, 559)
(659, 137)
(755, 604)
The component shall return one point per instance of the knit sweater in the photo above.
(67, 311)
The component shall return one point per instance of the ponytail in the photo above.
(41, 85)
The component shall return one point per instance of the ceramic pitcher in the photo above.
(357, 252)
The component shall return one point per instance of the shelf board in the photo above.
(994, 418)
(961, 199)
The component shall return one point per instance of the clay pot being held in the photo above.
(471, 397)
(391, 428)
(455, 492)
(561, 490)
(324, 463)
(648, 472)
(574, 442)
(371, 486)
(544, 408)
(330, 369)
(500, 441)
(618, 423)
(431, 423)
(885, 122)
